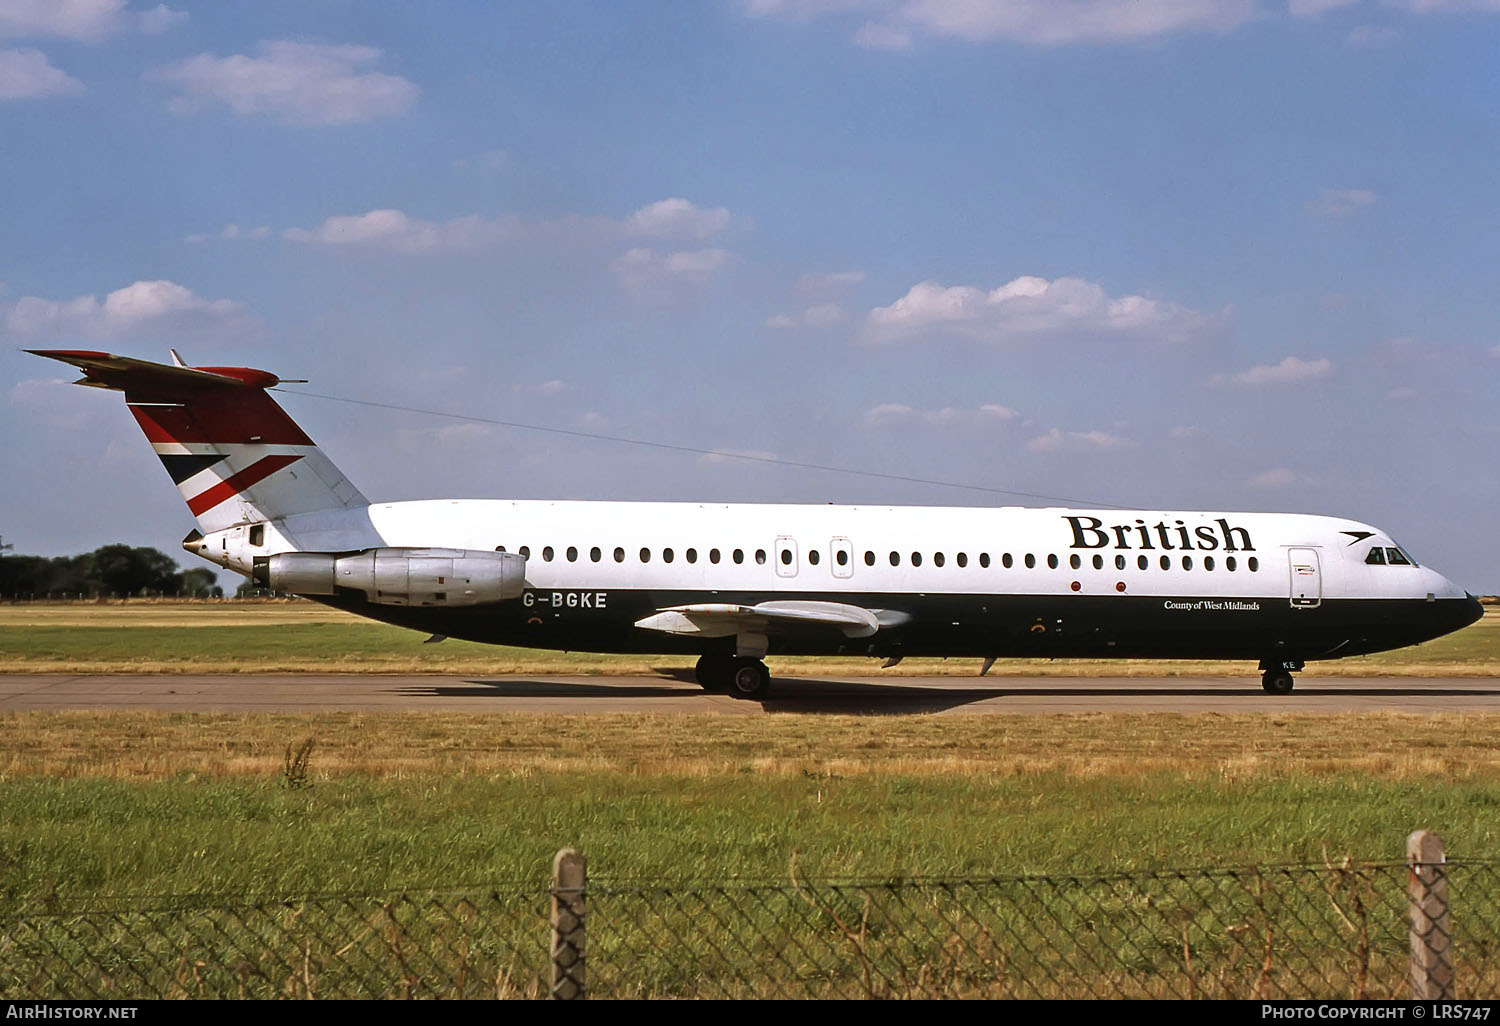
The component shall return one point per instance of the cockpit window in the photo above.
(1395, 557)
(1376, 556)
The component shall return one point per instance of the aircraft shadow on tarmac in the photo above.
(836, 697)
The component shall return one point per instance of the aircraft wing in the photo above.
(721, 619)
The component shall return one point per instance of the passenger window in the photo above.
(572, 554)
(813, 556)
(895, 559)
(666, 555)
(1376, 556)
(713, 555)
(1052, 561)
(1074, 561)
(645, 555)
(842, 557)
(963, 559)
(739, 555)
(760, 556)
(869, 558)
(1254, 564)
(1395, 557)
(1208, 562)
(525, 551)
(595, 554)
(1230, 563)
(1030, 561)
(692, 555)
(786, 557)
(547, 553)
(258, 534)
(1006, 561)
(937, 559)
(916, 559)
(499, 548)
(619, 555)
(1143, 562)
(1187, 562)
(1166, 562)
(1098, 561)
(984, 560)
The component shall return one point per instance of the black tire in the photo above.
(712, 672)
(1277, 682)
(749, 679)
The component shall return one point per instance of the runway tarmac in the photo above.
(676, 693)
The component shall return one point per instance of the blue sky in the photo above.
(1226, 254)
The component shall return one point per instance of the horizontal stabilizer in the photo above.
(162, 380)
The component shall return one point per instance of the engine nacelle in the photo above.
(399, 577)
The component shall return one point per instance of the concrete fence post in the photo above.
(569, 879)
(1431, 936)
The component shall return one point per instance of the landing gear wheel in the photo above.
(712, 671)
(749, 678)
(1277, 682)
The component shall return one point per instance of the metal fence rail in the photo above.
(1347, 931)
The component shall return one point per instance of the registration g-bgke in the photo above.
(732, 583)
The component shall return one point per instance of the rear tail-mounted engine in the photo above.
(399, 577)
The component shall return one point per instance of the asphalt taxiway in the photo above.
(674, 692)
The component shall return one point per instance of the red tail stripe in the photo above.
(226, 417)
(236, 483)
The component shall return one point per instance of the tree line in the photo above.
(112, 571)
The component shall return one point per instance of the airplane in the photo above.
(732, 583)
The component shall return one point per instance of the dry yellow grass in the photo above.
(159, 746)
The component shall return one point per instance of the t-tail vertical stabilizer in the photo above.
(234, 454)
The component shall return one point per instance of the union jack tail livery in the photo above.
(235, 456)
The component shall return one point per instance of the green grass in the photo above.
(147, 803)
(101, 810)
(84, 838)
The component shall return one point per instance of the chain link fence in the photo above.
(1372, 930)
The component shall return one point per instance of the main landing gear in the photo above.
(736, 676)
(1276, 676)
(1277, 682)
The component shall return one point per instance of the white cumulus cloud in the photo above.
(157, 306)
(397, 231)
(1030, 306)
(1289, 371)
(1057, 440)
(900, 413)
(298, 83)
(642, 268)
(27, 74)
(85, 21)
(889, 24)
(676, 217)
